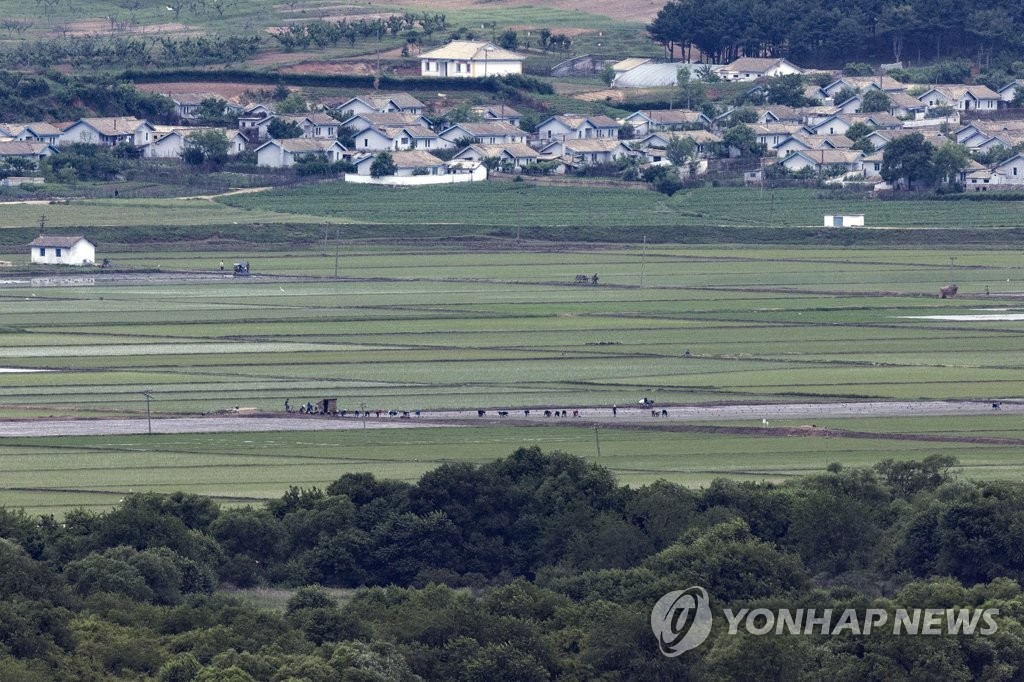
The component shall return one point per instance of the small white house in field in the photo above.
(849, 220)
(51, 249)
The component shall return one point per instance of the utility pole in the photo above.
(149, 414)
(643, 258)
(337, 246)
(597, 440)
(952, 261)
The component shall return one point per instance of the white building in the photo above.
(286, 153)
(62, 250)
(470, 59)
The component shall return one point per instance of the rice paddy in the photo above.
(419, 328)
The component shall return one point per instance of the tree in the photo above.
(383, 165)
(908, 158)
(509, 40)
(211, 112)
(680, 150)
(949, 159)
(294, 103)
(206, 146)
(844, 93)
(279, 129)
(742, 138)
(692, 92)
(859, 130)
(787, 90)
(875, 100)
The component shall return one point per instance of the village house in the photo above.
(62, 250)
(752, 68)
(186, 104)
(802, 142)
(286, 153)
(169, 142)
(407, 163)
(772, 134)
(961, 97)
(31, 132)
(780, 113)
(253, 121)
(576, 126)
(654, 145)
(818, 160)
(649, 121)
(498, 112)
(35, 151)
(902, 105)
(396, 138)
(575, 153)
(314, 125)
(470, 59)
(391, 119)
(379, 104)
(108, 132)
(512, 155)
(1009, 91)
(486, 132)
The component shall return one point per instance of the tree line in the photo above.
(534, 566)
(819, 33)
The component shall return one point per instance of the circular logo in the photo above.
(681, 620)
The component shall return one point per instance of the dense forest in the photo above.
(820, 34)
(533, 567)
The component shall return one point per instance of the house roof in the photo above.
(829, 156)
(113, 125)
(671, 116)
(756, 64)
(903, 100)
(484, 128)
(592, 144)
(22, 148)
(402, 100)
(498, 111)
(781, 112)
(63, 241)
(419, 132)
(880, 119)
(390, 118)
(955, 92)
(472, 50)
(576, 121)
(190, 98)
(888, 83)
(415, 158)
(774, 128)
(37, 127)
(519, 150)
(698, 136)
(303, 144)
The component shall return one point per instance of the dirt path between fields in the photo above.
(677, 418)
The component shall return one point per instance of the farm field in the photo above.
(54, 475)
(426, 329)
(528, 205)
(507, 209)
(419, 328)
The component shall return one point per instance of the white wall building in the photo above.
(62, 250)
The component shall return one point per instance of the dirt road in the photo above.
(632, 416)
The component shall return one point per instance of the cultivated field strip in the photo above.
(422, 329)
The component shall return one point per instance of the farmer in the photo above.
(615, 410)
(287, 406)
